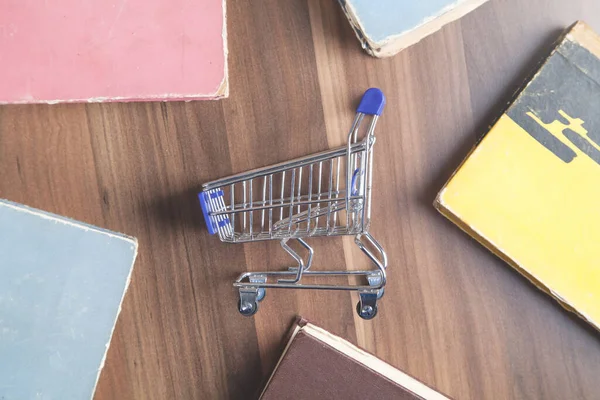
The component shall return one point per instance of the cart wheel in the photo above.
(247, 309)
(261, 294)
(380, 293)
(367, 312)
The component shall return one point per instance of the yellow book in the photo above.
(530, 190)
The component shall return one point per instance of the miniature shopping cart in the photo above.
(325, 194)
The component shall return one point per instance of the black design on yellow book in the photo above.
(547, 137)
(560, 106)
(570, 130)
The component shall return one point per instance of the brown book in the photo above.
(319, 365)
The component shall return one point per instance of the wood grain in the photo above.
(453, 316)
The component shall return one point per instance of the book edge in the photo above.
(395, 43)
(582, 34)
(221, 92)
(298, 326)
(125, 290)
(223, 89)
(373, 363)
(67, 221)
(447, 212)
(350, 14)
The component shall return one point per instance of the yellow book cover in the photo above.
(530, 190)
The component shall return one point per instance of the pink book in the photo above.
(58, 51)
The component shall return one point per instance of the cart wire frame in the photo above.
(323, 194)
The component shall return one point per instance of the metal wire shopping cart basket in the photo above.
(324, 194)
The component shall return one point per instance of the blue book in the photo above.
(384, 27)
(61, 287)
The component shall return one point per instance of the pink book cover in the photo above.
(59, 51)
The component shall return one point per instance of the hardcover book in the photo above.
(66, 51)
(384, 27)
(529, 191)
(61, 287)
(317, 364)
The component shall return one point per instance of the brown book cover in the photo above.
(319, 365)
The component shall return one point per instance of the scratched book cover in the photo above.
(72, 51)
(530, 189)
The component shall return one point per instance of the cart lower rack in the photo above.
(324, 194)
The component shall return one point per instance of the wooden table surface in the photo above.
(454, 316)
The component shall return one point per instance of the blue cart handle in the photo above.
(372, 102)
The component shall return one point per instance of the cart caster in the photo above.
(248, 302)
(246, 308)
(366, 312)
(261, 294)
(367, 305)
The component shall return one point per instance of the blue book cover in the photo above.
(61, 287)
(384, 27)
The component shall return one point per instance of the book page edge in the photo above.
(373, 363)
